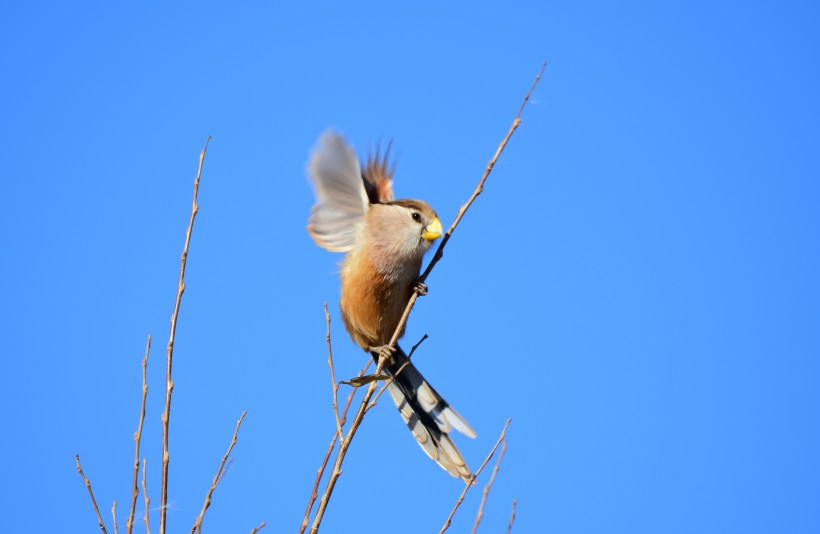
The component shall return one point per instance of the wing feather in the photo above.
(341, 200)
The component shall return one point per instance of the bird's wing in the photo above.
(341, 200)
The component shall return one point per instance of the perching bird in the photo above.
(385, 240)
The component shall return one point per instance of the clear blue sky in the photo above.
(638, 287)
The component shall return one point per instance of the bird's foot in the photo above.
(384, 351)
(420, 288)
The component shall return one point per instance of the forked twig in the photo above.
(321, 471)
(397, 373)
(343, 446)
(129, 523)
(90, 493)
(475, 476)
(169, 383)
(219, 473)
(480, 514)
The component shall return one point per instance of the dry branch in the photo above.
(463, 209)
(321, 471)
(480, 514)
(145, 494)
(475, 475)
(334, 386)
(169, 383)
(129, 524)
(90, 493)
(343, 446)
(114, 517)
(219, 474)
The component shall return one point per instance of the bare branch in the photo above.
(129, 524)
(480, 513)
(90, 493)
(169, 383)
(463, 209)
(333, 384)
(343, 446)
(225, 470)
(145, 494)
(257, 529)
(475, 476)
(315, 492)
(512, 518)
(114, 517)
(198, 525)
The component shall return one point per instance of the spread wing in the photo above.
(341, 200)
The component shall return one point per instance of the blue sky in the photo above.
(637, 288)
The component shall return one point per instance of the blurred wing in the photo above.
(378, 178)
(341, 201)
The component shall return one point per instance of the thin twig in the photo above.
(114, 517)
(478, 190)
(169, 383)
(343, 446)
(463, 209)
(386, 385)
(137, 437)
(400, 326)
(198, 525)
(315, 492)
(333, 384)
(320, 472)
(226, 470)
(414, 347)
(90, 493)
(145, 494)
(512, 518)
(257, 529)
(475, 475)
(397, 373)
(480, 513)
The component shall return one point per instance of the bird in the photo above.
(384, 240)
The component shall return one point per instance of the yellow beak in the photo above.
(433, 230)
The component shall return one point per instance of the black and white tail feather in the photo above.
(428, 416)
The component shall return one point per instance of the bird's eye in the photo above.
(416, 216)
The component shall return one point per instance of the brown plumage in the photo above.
(378, 178)
(385, 241)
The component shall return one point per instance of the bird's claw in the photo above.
(384, 351)
(420, 288)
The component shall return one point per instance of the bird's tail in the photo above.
(428, 415)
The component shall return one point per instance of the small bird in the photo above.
(385, 240)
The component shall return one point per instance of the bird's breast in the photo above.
(372, 301)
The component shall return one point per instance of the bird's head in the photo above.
(405, 229)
